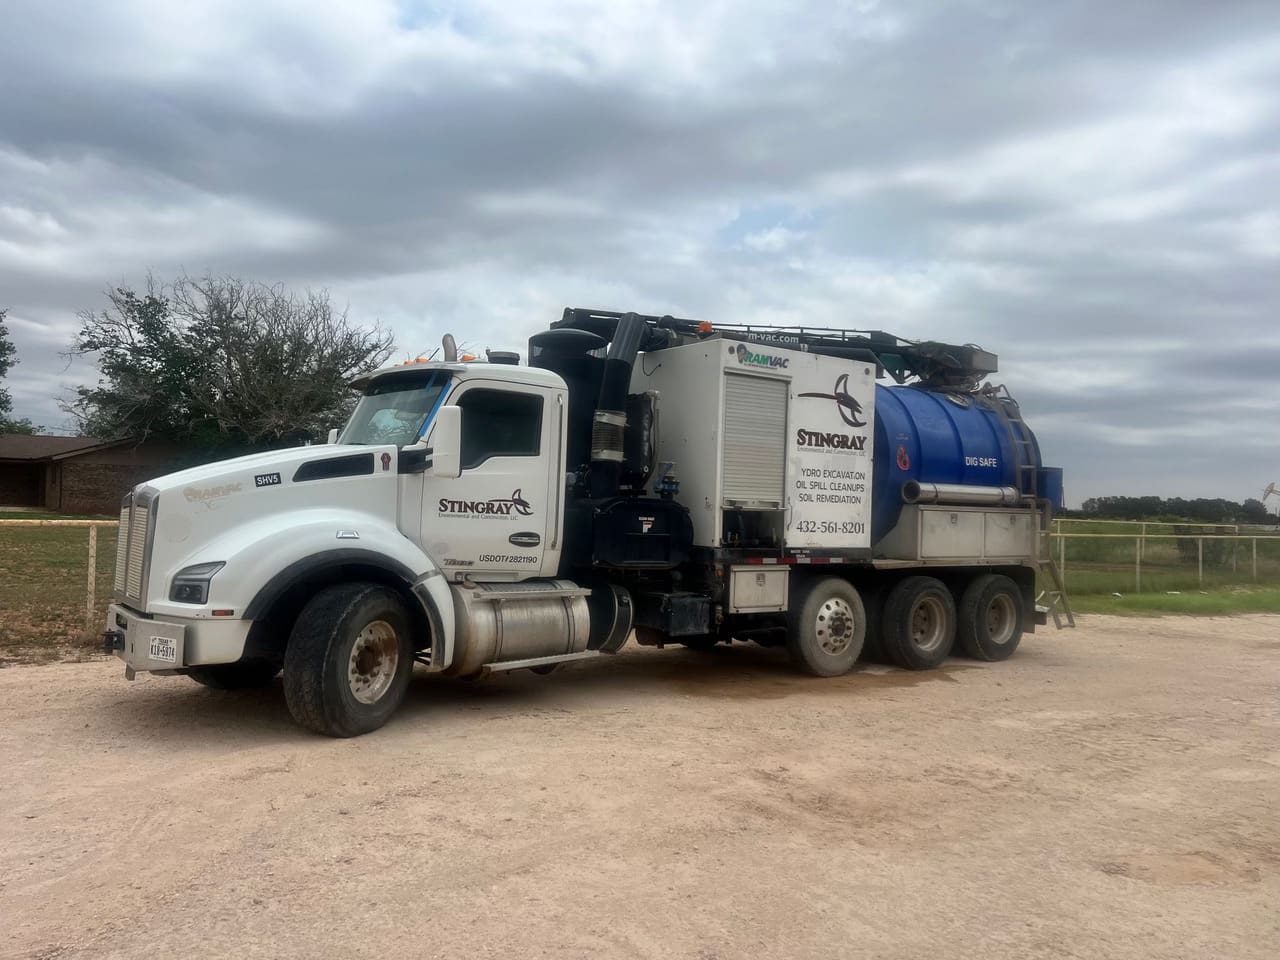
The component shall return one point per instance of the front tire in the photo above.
(825, 630)
(918, 627)
(991, 618)
(349, 659)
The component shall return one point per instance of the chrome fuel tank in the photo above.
(500, 622)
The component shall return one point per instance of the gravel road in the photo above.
(1110, 792)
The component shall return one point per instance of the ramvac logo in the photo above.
(749, 359)
(513, 506)
(849, 408)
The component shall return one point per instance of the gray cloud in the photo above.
(1085, 188)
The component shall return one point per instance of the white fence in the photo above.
(1162, 556)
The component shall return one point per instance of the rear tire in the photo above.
(349, 659)
(245, 675)
(918, 627)
(991, 618)
(825, 629)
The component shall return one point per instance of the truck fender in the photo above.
(307, 552)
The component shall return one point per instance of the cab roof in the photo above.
(465, 370)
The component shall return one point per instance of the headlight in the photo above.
(191, 585)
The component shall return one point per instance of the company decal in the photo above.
(830, 485)
(525, 538)
(904, 461)
(494, 508)
(211, 497)
(750, 359)
(830, 441)
(267, 480)
(981, 462)
(646, 524)
(386, 462)
(790, 338)
(849, 408)
(451, 562)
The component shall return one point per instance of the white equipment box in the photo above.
(757, 429)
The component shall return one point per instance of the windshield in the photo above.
(395, 409)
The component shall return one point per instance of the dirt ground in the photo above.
(1110, 792)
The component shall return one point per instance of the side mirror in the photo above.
(333, 435)
(446, 444)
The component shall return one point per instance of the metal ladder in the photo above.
(1024, 449)
(1054, 596)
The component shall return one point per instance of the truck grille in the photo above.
(122, 544)
(132, 546)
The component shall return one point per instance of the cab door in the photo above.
(492, 521)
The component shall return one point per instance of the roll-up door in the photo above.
(755, 441)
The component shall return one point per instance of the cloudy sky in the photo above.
(1089, 189)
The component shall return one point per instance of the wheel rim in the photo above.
(1002, 619)
(928, 624)
(374, 658)
(835, 626)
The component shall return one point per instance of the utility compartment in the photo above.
(754, 588)
(941, 532)
(772, 447)
(678, 614)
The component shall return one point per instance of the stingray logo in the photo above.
(749, 359)
(512, 506)
(850, 409)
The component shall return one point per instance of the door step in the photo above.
(532, 662)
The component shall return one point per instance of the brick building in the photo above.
(78, 474)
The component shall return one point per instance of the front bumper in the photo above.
(146, 644)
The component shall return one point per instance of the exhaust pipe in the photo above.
(609, 424)
(960, 494)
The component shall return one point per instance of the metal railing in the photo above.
(1095, 561)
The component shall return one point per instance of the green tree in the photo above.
(7, 361)
(221, 363)
(1200, 510)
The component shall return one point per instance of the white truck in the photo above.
(643, 476)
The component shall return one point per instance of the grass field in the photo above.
(43, 587)
(1220, 602)
(1107, 564)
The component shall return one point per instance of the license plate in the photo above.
(164, 648)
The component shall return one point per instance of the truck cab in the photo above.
(488, 507)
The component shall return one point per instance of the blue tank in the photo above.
(934, 436)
